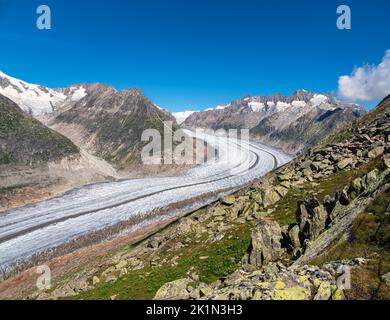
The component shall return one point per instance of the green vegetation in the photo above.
(286, 208)
(27, 140)
(369, 238)
(10, 190)
(346, 133)
(222, 259)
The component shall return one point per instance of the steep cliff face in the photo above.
(292, 123)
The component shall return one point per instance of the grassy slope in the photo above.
(25, 140)
(223, 258)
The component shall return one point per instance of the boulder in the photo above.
(266, 243)
(270, 197)
(371, 177)
(376, 152)
(386, 161)
(155, 242)
(312, 218)
(257, 197)
(329, 203)
(287, 176)
(250, 209)
(121, 264)
(318, 222)
(184, 227)
(282, 191)
(356, 185)
(305, 210)
(229, 200)
(294, 237)
(344, 163)
(95, 280)
(176, 290)
(218, 212)
(386, 278)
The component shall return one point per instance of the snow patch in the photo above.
(222, 107)
(270, 104)
(256, 106)
(298, 104)
(280, 106)
(78, 93)
(182, 116)
(31, 98)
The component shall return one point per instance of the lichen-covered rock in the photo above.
(257, 197)
(266, 243)
(282, 191)
(294, 236)
(386, 160)
(184, 226)
(386, 278)
(122, 264)
(312, 218)
(287, 176)
(218, 211)
(356, 184)
(344, 163)
(95, 280)
(376, 152)
(174, 290)
(277, 282)
(270, 197)
(229, 200)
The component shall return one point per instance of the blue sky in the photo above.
(194, 53)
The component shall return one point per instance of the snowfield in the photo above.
(35, 228)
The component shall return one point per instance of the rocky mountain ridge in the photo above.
(109, 123)
(35, 99)
(292, 123)
(99, 119)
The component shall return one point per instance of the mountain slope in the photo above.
(37, 162)
(289, 122)
(25, 140)
(97, 118)
(109, 124)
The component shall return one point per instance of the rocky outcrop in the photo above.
(274, 282)
(266, 243)
(311, 218)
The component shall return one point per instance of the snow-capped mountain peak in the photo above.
(36, 99)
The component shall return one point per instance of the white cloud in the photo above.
(367, 83)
